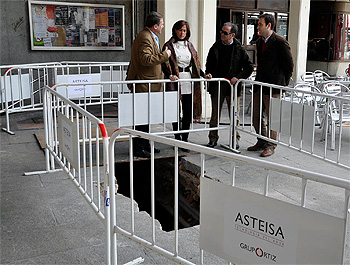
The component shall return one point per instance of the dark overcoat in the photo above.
(275, 63)
(241, 66)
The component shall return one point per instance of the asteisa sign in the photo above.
(248, 228)
(80, 90)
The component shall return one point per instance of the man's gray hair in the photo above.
(234, 28)
(153, 18)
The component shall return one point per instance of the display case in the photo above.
(76, 26)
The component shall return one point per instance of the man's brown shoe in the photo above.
(267, 152)
(256, 147)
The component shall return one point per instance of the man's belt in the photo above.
(187, 69)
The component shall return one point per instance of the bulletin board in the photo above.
(76, 26)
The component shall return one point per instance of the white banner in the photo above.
(248, 228)
(17, 87)
(158, 112)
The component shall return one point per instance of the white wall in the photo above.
(298, 35)
(201, 15)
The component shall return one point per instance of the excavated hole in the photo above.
(164, 190)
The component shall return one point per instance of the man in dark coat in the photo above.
(226, 59)
(274, 66)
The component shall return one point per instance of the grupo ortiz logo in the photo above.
(259, 252)
(259, 228)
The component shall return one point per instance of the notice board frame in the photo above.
(68, 33)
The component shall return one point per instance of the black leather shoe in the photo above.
(211, 144)
(142, 153)
(156, 150)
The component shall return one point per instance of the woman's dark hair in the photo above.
(178, 25)
(153, 18)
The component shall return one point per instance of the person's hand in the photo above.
(168, 51)
(208, 76)
(173, 77)
(233, 80)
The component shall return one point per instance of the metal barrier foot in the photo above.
(136, 261)
(8, 131)
(42, 172)
(231, 149)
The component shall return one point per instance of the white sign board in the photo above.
(80, 90)
(17, 87)
(300, 116)
(138, 108)
(248, 228)
(119, 75)
(68, 140)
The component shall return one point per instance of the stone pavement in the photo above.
(45, 220)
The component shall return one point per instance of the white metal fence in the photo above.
(214, 217)
(160, 108)
(78, 142)
(21, 85)
(311, 122)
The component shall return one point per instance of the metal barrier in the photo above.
(159, 108)
(73, 140)
(73, 136)
(305, 236)
(21, 85)
(293, 115)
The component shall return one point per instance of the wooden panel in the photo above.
(238, 4)
(275, 5)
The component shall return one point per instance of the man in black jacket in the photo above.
(226, 59)
(274, 66)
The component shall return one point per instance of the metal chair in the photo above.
(320, 76)
(304, 96)
(333, 87)
(335, 112)
(308, 77)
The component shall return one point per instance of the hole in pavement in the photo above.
(164, 190)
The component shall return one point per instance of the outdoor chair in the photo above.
(308, 77)
(320, 76)
(336, 113)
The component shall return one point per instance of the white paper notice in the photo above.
(79, 90)
(103, 35)
(91, 18)
(47, 42)
(39, 30)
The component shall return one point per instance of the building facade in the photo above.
(306, 24)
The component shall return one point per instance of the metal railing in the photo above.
(268, 171)
(21, 85)
(159, 108)
(294, 114)
(78, 142)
